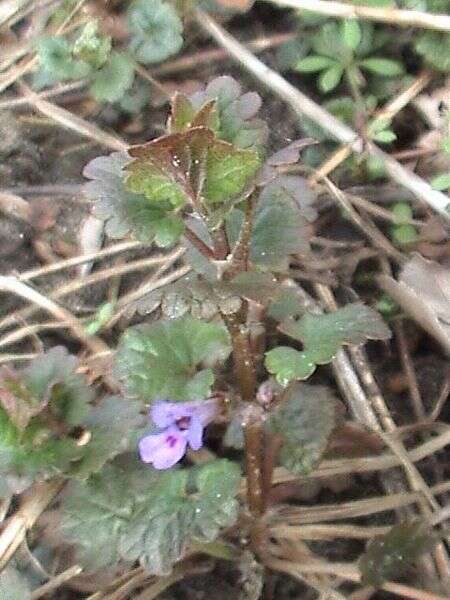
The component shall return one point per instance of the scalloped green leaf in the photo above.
(229, 171)
(191, 166)
(391, 555)
(156, 30)
(281, 221)
(288, 364)
(114, 426)
(171, 358)
(129, 512)
(47, 389)
(41, 406)
(322, 336)
(95, 513)
(304, 422)
(236, 113)
(124, 211)
(168, 171)
(184, 506)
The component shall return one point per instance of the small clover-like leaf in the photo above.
(57, 62)
(304, 422)
(167, 359)
(113, 80)
(351, 33)
(314, 63)
(330, 78)
(156, 30)
(322, 336)
(91, 47)
(330, 43)
(441, 182)
(382, 66)
(391, 555)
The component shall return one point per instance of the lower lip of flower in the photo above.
(171, 441)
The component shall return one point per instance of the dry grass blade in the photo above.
(423, 292)
(327, 532)
(307, 107)
(402, 18)
(9, 7)
(79, 260)
(342, 466)
(33, 504)
(350, 572)
(55, 582)
(73, 122)
(347, 510)
(14, 286)
(74, 286)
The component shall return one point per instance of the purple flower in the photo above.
(181, 423)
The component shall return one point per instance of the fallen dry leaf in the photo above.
(423, 292)
(241, 5)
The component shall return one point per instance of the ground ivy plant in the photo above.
(212, 390)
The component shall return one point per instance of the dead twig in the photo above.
(56, 582)
(73, 122)
(33, 504)
(400, 18)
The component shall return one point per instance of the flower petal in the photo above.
(195, 433)
(164, 449)
(206, 411)
(164, 414)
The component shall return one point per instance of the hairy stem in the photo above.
(254, 440)
(244, 368)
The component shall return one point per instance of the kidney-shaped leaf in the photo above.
(391, 555)
(322, 336)
(182, 507)
(167, 359)
(125, 211)
(131, 512)
(304, 422)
